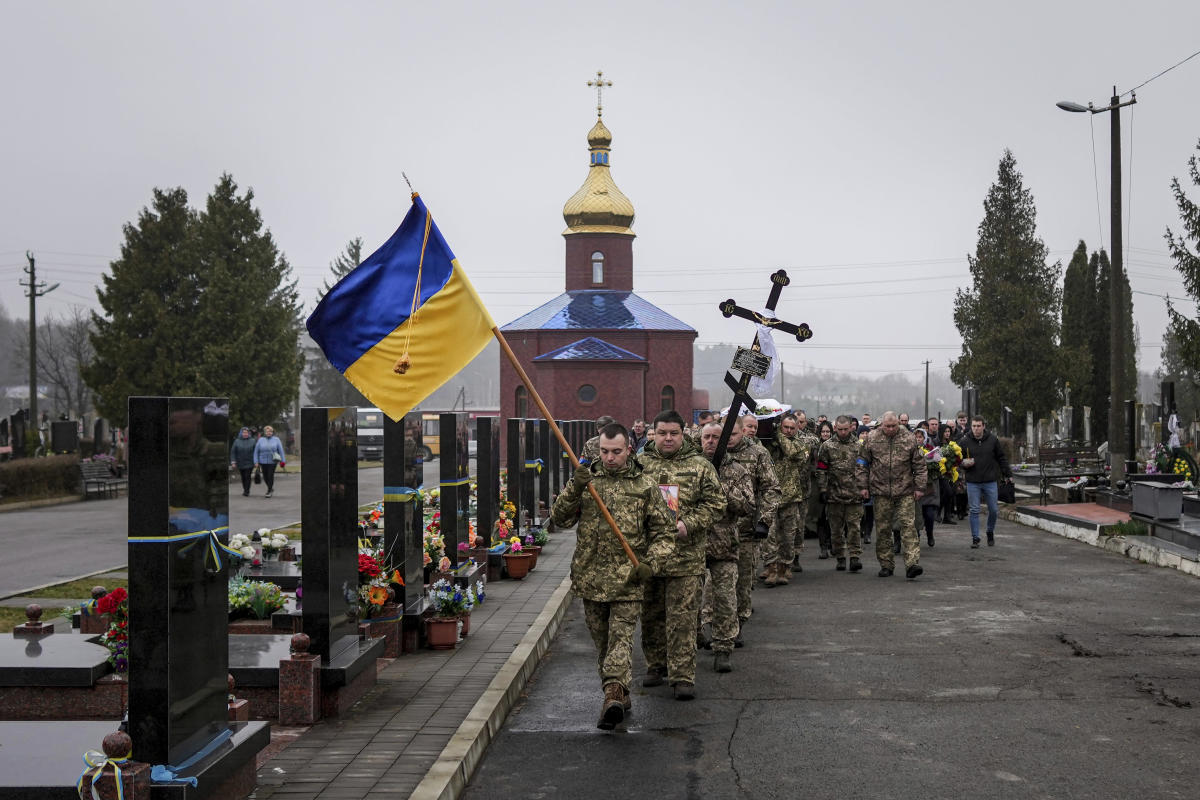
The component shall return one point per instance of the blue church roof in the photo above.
(590, 349)
(598, 310)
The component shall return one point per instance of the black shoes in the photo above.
(884, 572)
(721, 663)
(855, 565)
(841, 565)
(930, 538)
(974, 544)
(991, 538)
(913, 571)
(685, 691)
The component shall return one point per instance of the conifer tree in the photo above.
(326, 386)
(1181, 356)
(1078, 323)
(1008, 317)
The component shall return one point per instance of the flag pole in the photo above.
(537, 399)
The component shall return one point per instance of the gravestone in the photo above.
(101, 436)
(329, 520)
(17, 430)
(454, 455)
(403, 509)
(515, 465)
(1087, 424)
(178, 593)
(545, 442)
(64, 436)
(529, 500)
(557, 463)
(487, 476)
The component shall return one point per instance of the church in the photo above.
(598, 348)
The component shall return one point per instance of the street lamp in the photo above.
(1116, 342)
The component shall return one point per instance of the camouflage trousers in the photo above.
(787, 528)
(845, 522)
(747, 556)
(612, 626)
(669, 613)
(892, 513)
(720, 604)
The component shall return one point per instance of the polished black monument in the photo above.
(403, 509)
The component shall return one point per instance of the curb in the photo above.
(32, 591)
(42, 502)
(1138, 548)
(454, 767)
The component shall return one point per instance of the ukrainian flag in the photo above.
(405, 320)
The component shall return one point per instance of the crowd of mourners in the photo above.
(674, 538)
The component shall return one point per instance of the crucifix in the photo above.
(600, 85)
(752, 363)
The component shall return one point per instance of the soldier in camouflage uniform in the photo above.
(591, 448)
(754, 457)
(721, 555)
(601, 573)
(673, 595)
(842, 474)
(792, 455)
(897, 477)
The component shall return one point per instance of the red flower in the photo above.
(106, 604)
(368, 565)
(119, 593)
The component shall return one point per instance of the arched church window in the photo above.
(521, 406)
(668, 399)
(597, 267)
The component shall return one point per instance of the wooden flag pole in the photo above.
(537, 399)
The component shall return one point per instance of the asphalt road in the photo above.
(62, 542)
(1041, 668)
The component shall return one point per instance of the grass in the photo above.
(1131, 528)
(82, 588)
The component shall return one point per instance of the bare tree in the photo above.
(64, 350)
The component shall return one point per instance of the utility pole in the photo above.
(926, 388)
(35, 290)
(1116, 341)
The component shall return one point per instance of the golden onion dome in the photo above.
(599, 206)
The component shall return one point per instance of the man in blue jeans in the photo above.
(984, 464)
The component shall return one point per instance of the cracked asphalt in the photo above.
(1040, 668)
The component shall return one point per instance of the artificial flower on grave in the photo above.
(444, 565)
(274, 543)
(258, 599)
(372, 597)
(369, 567)
(435, 546)
(514, 544)
(451, 601)
(116, 638)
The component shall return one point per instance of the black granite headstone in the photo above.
(454, 454)
(178, 588)
(64, 436)
(329, 521)
(403, 509)
(529, 503)
(101, 436)
(17, 433)
(487, 476)
(545, 442)
(515, 465)
(557, 463)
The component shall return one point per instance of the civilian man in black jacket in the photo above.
(984, 464)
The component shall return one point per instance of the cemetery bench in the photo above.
(98, 480)
(1064, 458)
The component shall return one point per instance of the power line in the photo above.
(1164, 72)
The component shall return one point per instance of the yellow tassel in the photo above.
(403, 364)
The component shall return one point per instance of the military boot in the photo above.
(704, 637)
(841, 565)
(613, 710)
(855, 564)
(654, 677)
(721, 663)
(783, 573)
(772, 576)
(684, 690)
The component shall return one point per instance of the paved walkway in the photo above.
(423, 728)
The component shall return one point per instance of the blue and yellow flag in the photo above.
(405, 320)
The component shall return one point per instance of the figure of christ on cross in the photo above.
(741, 395)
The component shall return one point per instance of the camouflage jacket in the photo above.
(754, 457)
(793, 456)
(591, 450)
(738, 486)
(701, 500)
(600, 567)
(841, 469)
(896, 465)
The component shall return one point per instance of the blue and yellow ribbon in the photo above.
(98, 761)
(400, 494)
(165, 773)
(535, 463)
(215, 545)
(457, 482)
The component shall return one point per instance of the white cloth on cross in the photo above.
(1173, 427)
(766, 343)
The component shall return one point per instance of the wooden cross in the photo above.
(600, 84)
(741, 394)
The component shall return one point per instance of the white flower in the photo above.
(264, 532)
(279, 540)
(247, 551)
(238, 541)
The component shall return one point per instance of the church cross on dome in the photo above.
(600, 85)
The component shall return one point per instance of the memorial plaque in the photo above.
(329, 519)
(403, 509)
(514, 465)
(751, 362)
(454, 455)
(178, 589)
(487, 476)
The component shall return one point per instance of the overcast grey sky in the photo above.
(850, 143)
